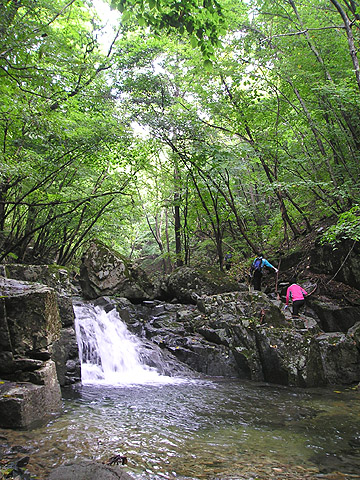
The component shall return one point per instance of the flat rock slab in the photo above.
(89, 470)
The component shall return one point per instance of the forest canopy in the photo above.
(200, 127)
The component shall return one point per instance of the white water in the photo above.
(108, 352)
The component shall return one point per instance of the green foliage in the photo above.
(346, 228)
(202, 20)
(247, 118)
(61, 134)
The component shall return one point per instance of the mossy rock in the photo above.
(105, 272)
(186, 283)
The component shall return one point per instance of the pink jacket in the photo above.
(296, 292)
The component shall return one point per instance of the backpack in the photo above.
(257, 264)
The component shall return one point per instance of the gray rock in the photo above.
(344, 261)
(334, 318)
(29, 318)
(66, 356)
(29, 326)
(188, 284)
(25, 404)
(52, 276)
(246, 335)
(334, 358)
(89, 470)
(105, 272)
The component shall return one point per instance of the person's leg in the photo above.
(257, 280)
(296, 307)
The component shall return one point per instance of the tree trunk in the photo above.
(177, 220)
(351, 42)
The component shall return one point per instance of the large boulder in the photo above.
(344, 262)
(64, 348)
(29, 327)
(263, 341)
(334, 317)
(53, 276)
(283, 355)
(106, 272)
(218, 336)
(247, 335)
(24, 404)
(29, 319)
(186, 284)
(334, 358)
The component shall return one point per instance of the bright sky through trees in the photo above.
(110, 18)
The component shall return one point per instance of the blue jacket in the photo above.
(264, 263)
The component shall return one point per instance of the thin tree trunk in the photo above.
(167, 240)
(350, 37)
(177, 221)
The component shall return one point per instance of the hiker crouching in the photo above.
(297, 294)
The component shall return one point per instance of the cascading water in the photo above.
(190, 428)
(109, 353)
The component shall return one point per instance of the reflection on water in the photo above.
(204, 430)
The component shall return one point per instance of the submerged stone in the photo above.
(89, 470)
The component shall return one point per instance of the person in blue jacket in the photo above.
(256, 270)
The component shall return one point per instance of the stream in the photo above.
(178, 428)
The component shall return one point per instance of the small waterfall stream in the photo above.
(108, 352)
(179, 428)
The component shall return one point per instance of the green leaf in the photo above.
(114, 5)
(194, 42)
(208, 65)
(189, 26)
(126, 16)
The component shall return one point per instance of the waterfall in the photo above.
(109, 353)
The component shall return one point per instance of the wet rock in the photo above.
(29, 327)
(66, 356)
(250, 307)
(25, 404)
(247, 335)
(283, 356)
(333, 358)
(89, 470)
(163, 361)
(334, 318)
(29, 318)
(205, 357)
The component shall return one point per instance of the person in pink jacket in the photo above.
(297, 294)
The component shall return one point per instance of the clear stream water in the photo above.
(194, 429)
